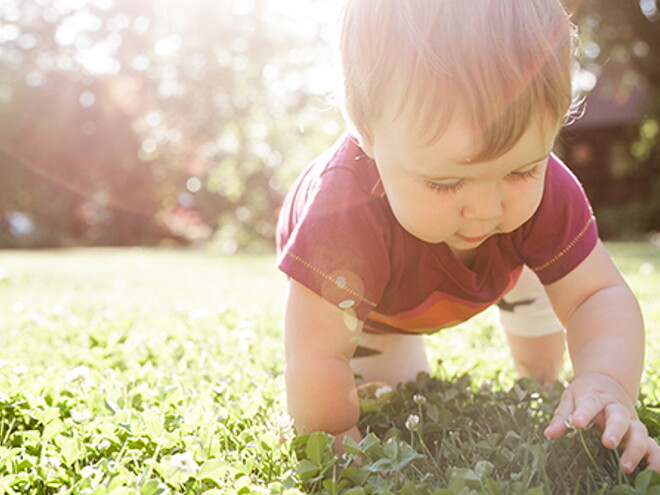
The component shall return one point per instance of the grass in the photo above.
(160, 371)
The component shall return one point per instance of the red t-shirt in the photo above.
(338, 237)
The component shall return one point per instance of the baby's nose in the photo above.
(485, 203)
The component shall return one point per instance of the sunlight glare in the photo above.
(649, 8)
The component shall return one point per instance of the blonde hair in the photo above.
(500, 63)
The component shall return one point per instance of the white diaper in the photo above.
(526, 311)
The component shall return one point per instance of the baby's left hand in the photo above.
(597, 399)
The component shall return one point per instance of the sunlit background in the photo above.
(164, 122)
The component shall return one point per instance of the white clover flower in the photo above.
(90, 472)
(381, 391)
(184, 462)
(51, 462)
(568, 423)
(646, 268)
(81, 416)
(104, 444)
(20, 369)
(412, 423)
(283, 425)
(78, 375)
(419, 399)
(198, 313)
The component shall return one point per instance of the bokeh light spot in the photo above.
(87, 99)
(140, 62)
(35, 79)
(649, 9)
(347, 303)
(149, 145)
(194, 184)
(6, 94)
(9, 32)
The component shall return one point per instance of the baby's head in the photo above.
(497, 65)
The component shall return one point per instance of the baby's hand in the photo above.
(597, 399)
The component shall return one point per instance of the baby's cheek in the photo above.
(527, 201)
(517, 213)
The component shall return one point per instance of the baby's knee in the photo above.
(541, 358)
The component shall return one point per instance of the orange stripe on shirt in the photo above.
(439, 315)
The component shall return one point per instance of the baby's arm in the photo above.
(605, 336)
(319, 341)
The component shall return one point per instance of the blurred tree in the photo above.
(124, 122)
(615, 147)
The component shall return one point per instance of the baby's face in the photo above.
(439, 195)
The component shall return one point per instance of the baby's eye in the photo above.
(530, 174)
(445, 187)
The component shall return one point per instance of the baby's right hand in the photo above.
(595, 398)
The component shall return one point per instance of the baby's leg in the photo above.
(389, 358)
(535, 335)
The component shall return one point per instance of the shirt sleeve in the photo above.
(563, 230)
(333, 240)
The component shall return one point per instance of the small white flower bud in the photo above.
(412, 423)
(104, 444)
(51, 462)
(81, 416)
(381, 391)
(78, 376)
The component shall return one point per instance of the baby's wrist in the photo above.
(603, 380)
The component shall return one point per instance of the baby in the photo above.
(443, 199)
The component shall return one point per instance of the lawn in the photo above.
(160, 371)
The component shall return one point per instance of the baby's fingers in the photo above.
(587, 407)
(617, 423)
(637, 447)
(562, 420)
(653, 456)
